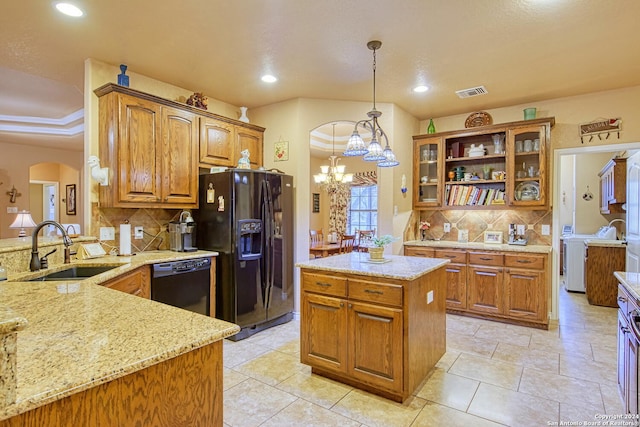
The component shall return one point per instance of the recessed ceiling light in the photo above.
(268, 78)
(69, 9)
(420, 89)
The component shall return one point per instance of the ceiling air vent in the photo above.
(474, 91)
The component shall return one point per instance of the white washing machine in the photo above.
(575, 251)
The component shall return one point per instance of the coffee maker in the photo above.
(182, 233)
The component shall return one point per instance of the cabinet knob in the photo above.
(350, 305)
(622, 299)
(341, 304)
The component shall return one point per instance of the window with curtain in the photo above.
(363, 209)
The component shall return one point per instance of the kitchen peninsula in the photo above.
(377, 326)
(90, 355)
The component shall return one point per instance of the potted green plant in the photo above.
(379, 242)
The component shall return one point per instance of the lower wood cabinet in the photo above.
(380, 335)
(456, 274)
(485, 290)
(506, 286)
(136, 282)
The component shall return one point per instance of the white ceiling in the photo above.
(522, 51)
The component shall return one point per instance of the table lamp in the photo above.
(23, 220)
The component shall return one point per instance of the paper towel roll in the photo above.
(125, 239)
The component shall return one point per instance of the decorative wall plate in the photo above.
(480, 118)
(529, 190)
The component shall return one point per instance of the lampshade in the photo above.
(23, 220)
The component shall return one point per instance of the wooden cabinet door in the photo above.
(521, 157)
(249, 139)
(323, 337)
(524, 293)
(217, 143)
(136, 282)
(179, 157)
(375, 345)
(139, 152)
(456, 275)
(485, 289)
(428, 172)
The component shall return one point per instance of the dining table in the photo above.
(324, 249)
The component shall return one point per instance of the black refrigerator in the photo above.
(247, 216)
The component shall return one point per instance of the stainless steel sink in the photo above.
(76, 272)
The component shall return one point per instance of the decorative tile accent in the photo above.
(478, 221)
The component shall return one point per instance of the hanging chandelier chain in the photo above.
(374, 78)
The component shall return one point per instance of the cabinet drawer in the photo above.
(416, 251)
(524, 261)
(459, 257)
(623, 300)
(382, 293)
(483, 258)
(322, 284)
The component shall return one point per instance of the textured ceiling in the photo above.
(521, 50)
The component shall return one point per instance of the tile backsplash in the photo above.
(153, 221)
(479, 221)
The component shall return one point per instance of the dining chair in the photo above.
(316, 236)
(363, 239)
(346, 243)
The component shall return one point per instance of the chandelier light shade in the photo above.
(374, 152)
(23, 220)
(333, 173)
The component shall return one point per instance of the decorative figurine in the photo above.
(123, 80)
(243, 162)
(198, 100)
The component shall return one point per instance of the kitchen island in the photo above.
(90, 355)
(376, 326)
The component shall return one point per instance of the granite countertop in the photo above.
(631, 282)
(399, 267)
(540, 249)
(80, 334)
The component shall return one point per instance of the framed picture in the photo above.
(316, 202)
(71, 199)
(493, 237)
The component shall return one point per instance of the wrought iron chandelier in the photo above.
(334, 173)
(374, 152)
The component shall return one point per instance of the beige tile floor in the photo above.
(492, 374)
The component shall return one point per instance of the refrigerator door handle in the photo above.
(268, 233)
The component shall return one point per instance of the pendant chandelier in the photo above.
(334, 173)
(374, 152)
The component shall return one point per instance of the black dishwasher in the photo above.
(184, 284)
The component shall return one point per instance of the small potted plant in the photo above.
(379, 242)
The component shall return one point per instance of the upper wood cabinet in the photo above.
(466, 169)
(613, 186)
(153, 148)
(221, 143)
(216, 142)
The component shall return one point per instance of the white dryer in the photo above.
(575, 253)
